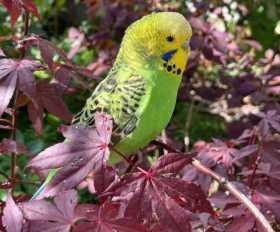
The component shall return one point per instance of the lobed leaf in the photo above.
(86, 151)
(12, 216)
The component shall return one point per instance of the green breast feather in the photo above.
(141, 105)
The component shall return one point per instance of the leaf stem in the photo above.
(255, 166)
(13, 137)
(133, 161)
(164, 146)
(5, 120)
(26, 182)
(26, 24)
(121, 155)
(188, 125)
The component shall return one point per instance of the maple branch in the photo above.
(132, 164)
(229, 186)
(13, 137)
(26, 24)
(14, 113)
(27, 182)
(5, 120)
(234, 191)
(164, 146)
(255, 166)
(25, 31)
(13, 179)
(188, 125)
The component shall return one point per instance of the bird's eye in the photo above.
(170, 38)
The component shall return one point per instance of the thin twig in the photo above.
(188, 125)
(229, 186)
(13, 137)
(26, 182)
(6, 127)
(14, 114)
(25, 31)
(132, 164)
(255, 166)
(5, 120)
(164, 146)
(234, 191)
(26, 23)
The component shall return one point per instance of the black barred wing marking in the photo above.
(117, 97)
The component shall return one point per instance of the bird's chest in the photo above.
(159, 105)
(154, 113)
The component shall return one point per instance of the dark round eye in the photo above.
(170, 38)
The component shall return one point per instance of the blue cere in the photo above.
(168, 55)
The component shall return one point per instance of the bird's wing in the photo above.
(119, 96)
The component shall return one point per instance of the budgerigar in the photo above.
(141, 88)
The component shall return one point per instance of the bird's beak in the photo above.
(186, 44)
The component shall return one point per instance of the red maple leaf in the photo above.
(243, 224)
(156, 196)
(15, 73)
(49, 97)
(8, 145)
(105, 218)
(66, 214)
(103, 178)
(220, 152)
(44, 216)
(12, 216)
(62, 70)
(270, 121)
(47, 49)
(16, 7)
(87, 150)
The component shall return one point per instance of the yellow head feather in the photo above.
(159, 40)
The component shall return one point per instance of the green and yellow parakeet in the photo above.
(141, 88)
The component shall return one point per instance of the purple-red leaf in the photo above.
(13, 72)
(172, 162)
(87, 150)
(15, 8)
(103, 178)
(8, 145)
(51, 98)
(270, 120)
(47, 49)
(144, 193)
(30, 6)
(35, 114)
(44, 216)
(105, 218)
(12, 218)
(7, 88)
(241, 224)
(172, 218)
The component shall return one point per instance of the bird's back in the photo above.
(140, 102)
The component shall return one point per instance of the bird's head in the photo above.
(159, 40)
